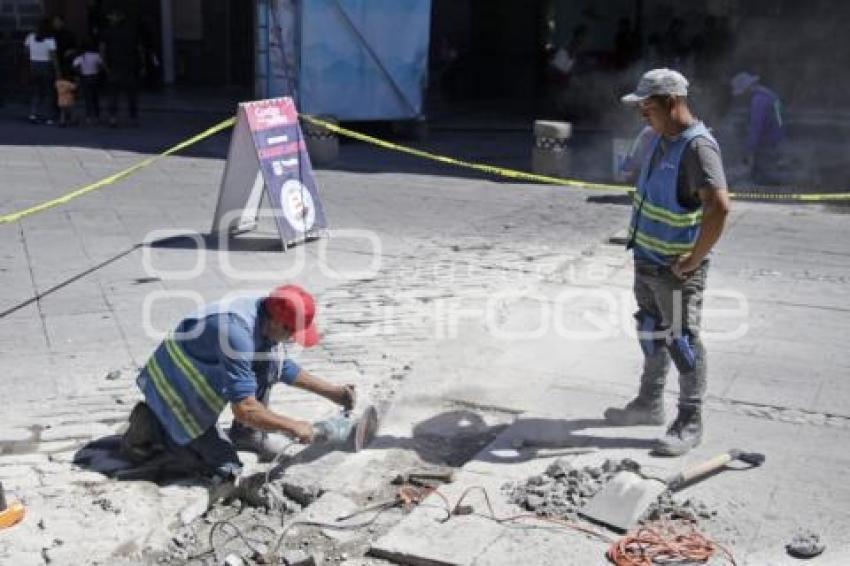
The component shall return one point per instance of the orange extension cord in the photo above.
(660, 542)
(665, 543)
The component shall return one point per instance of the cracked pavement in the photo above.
(451, 318)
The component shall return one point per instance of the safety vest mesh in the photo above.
(662, 229)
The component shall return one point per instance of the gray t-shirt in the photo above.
(701, 168)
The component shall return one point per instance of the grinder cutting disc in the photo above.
(365, 430)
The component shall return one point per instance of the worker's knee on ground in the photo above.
(682, 351)
(143, 438)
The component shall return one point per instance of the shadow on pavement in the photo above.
(453, 438)
(106, 456)
(214, 242)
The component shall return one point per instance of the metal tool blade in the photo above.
(622, 501)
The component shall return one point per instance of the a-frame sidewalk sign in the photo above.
(267, 151)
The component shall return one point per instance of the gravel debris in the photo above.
(562, 490)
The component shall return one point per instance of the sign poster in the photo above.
(268, 150)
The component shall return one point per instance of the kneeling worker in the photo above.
(227, 352)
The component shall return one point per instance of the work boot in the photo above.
(143, 438)
(637, 412)
(266, 446)
(684, 434)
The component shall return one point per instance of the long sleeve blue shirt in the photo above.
(213, 357)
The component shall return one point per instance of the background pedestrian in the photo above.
(88, 66)
(44, 67)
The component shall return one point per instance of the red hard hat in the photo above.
(294, 308)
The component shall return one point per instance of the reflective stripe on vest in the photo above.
(186, 387)
(665, 216)
(172, 400)
(193, 376)
(661, 228)
(660, 246)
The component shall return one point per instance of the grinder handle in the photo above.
(683, 477)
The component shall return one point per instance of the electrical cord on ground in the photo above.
(219, 525)
(347, 527)
(655, 543)
(665, 543)
(459, 509)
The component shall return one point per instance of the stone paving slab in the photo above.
(443, 238)
(423, 539)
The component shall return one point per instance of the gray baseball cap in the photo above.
(663, 82)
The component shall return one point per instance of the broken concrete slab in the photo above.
(543, 545)
(198, 502)
(298, 558)
(425, 537)
(327, 509)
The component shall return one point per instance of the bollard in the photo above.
(322, 145)
(551, 153)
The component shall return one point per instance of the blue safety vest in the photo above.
(185, 382)
(661, 229)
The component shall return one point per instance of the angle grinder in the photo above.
(345, 432)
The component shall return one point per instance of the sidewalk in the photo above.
(414, 334)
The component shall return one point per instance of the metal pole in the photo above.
(268, 92)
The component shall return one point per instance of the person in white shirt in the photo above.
(88, 65)
(43, 71)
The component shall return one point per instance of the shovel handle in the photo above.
(701, 469)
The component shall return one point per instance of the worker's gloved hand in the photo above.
(347, 396)
(302, 431)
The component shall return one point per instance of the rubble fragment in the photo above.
(668, 508)
(805, 544)
(562, 490)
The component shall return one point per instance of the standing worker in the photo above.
(228, 352)
(679, 212)
(764, 134)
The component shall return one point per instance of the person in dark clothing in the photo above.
(122, 55)
(88, 65)
(673, 47)
(626, 44)
(66, 44)
(766, 132)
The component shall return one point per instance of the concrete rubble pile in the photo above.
(562, 490)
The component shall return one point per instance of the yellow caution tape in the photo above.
(801, 197)
(500, 171)
(339, 130)
(67, 197)
(524, 176)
